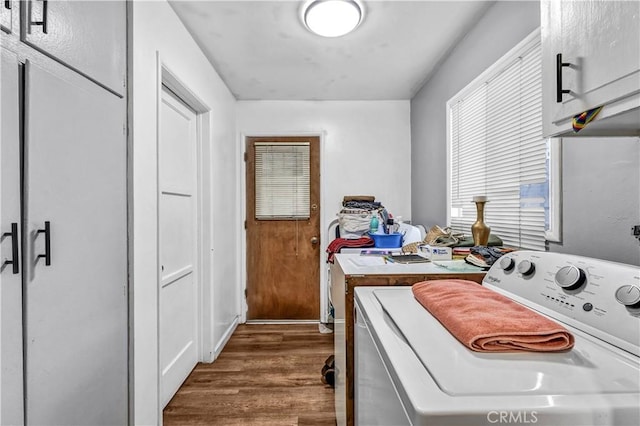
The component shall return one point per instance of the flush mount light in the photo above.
(332, 18)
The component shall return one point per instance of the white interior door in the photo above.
(75, 319)
(179, 307)
(11, 407)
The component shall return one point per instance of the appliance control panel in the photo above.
(599, 297)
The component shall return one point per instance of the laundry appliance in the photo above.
(410, 370)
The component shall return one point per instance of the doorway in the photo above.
(283, 228)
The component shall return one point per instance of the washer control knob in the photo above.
(628, 295)
(526, 267)
(506, 263)
(570, 277)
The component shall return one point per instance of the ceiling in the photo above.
(263, 52)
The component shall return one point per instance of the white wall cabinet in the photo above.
(598, 42)
(10, 277)
(84, 35)
(6, 15)
(63, 221)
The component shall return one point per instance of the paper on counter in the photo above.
(368, 261)
(457, 266)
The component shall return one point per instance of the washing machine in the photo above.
(410, 370)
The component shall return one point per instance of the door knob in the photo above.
(314, 240)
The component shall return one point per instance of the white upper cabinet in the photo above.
(591, 57)
(6, 9)
(84, 35)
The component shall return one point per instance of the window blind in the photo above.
(282, 180)
(497, 149)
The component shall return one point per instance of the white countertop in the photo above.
(356, 264)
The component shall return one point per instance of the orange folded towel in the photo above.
(486, 321)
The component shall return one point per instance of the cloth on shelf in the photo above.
(436, 236)
(494, 240)
(362, 205)
(436, 232)
(446, 237)
(355, 217)
(353, 223)
(369, 198)
(486, 321)
(339, 243)
(483, 256)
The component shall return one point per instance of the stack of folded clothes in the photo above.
(484, 257)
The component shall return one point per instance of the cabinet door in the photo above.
(600, 40)
(89, 36)
(6, 9)
(11, 409)
(75, 307)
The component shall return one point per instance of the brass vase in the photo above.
(480, 230)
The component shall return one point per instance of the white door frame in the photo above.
(165, 76)
(242, 234)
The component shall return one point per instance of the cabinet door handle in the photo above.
(14, 248)
(7, 4)
(559, 89)
(43, 23)
(47, 243)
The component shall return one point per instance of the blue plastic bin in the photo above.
(387, 240)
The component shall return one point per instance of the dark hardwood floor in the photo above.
(265, 375)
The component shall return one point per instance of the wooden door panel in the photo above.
(283, 286)
(283, 259)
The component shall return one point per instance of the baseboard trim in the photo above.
(225, 337)
(282, 322)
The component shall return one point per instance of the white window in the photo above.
(282, 177)
(496, 149)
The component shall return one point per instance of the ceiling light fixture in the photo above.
(332, 18)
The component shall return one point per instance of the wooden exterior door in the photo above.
(283, 259)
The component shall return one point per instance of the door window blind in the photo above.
(497, 149)
(282, 180)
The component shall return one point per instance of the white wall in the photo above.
(601, 181)
(600, 198)
(504, 25)
(366, 148)
(156, 32)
